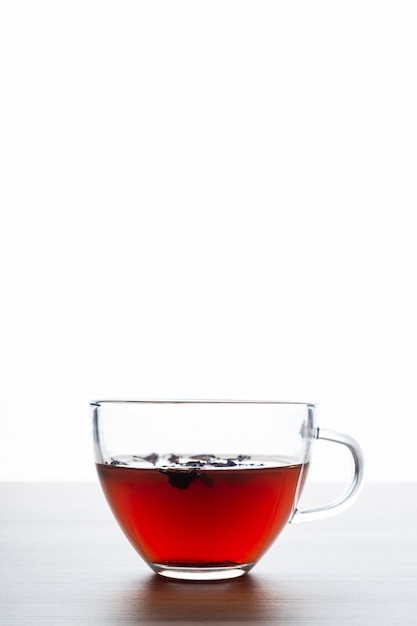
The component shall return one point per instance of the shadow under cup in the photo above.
(203, 488)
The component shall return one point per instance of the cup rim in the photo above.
(98, 403)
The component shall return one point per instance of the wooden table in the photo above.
(65, 562)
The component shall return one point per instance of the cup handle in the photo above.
(348, 497)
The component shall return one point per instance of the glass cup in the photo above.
(203, 488)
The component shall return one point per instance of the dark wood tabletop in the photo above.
(65, 562)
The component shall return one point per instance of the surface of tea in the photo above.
(194, 511)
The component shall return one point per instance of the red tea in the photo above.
(200, 512)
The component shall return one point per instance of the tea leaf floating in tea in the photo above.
(152, 458)
(188, 471)
(181, 479)
(118, 462)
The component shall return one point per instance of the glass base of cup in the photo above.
(202, 573)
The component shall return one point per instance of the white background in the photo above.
(207, 200)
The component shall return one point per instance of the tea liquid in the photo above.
(200, 511)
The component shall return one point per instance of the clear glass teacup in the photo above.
(203, 488)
